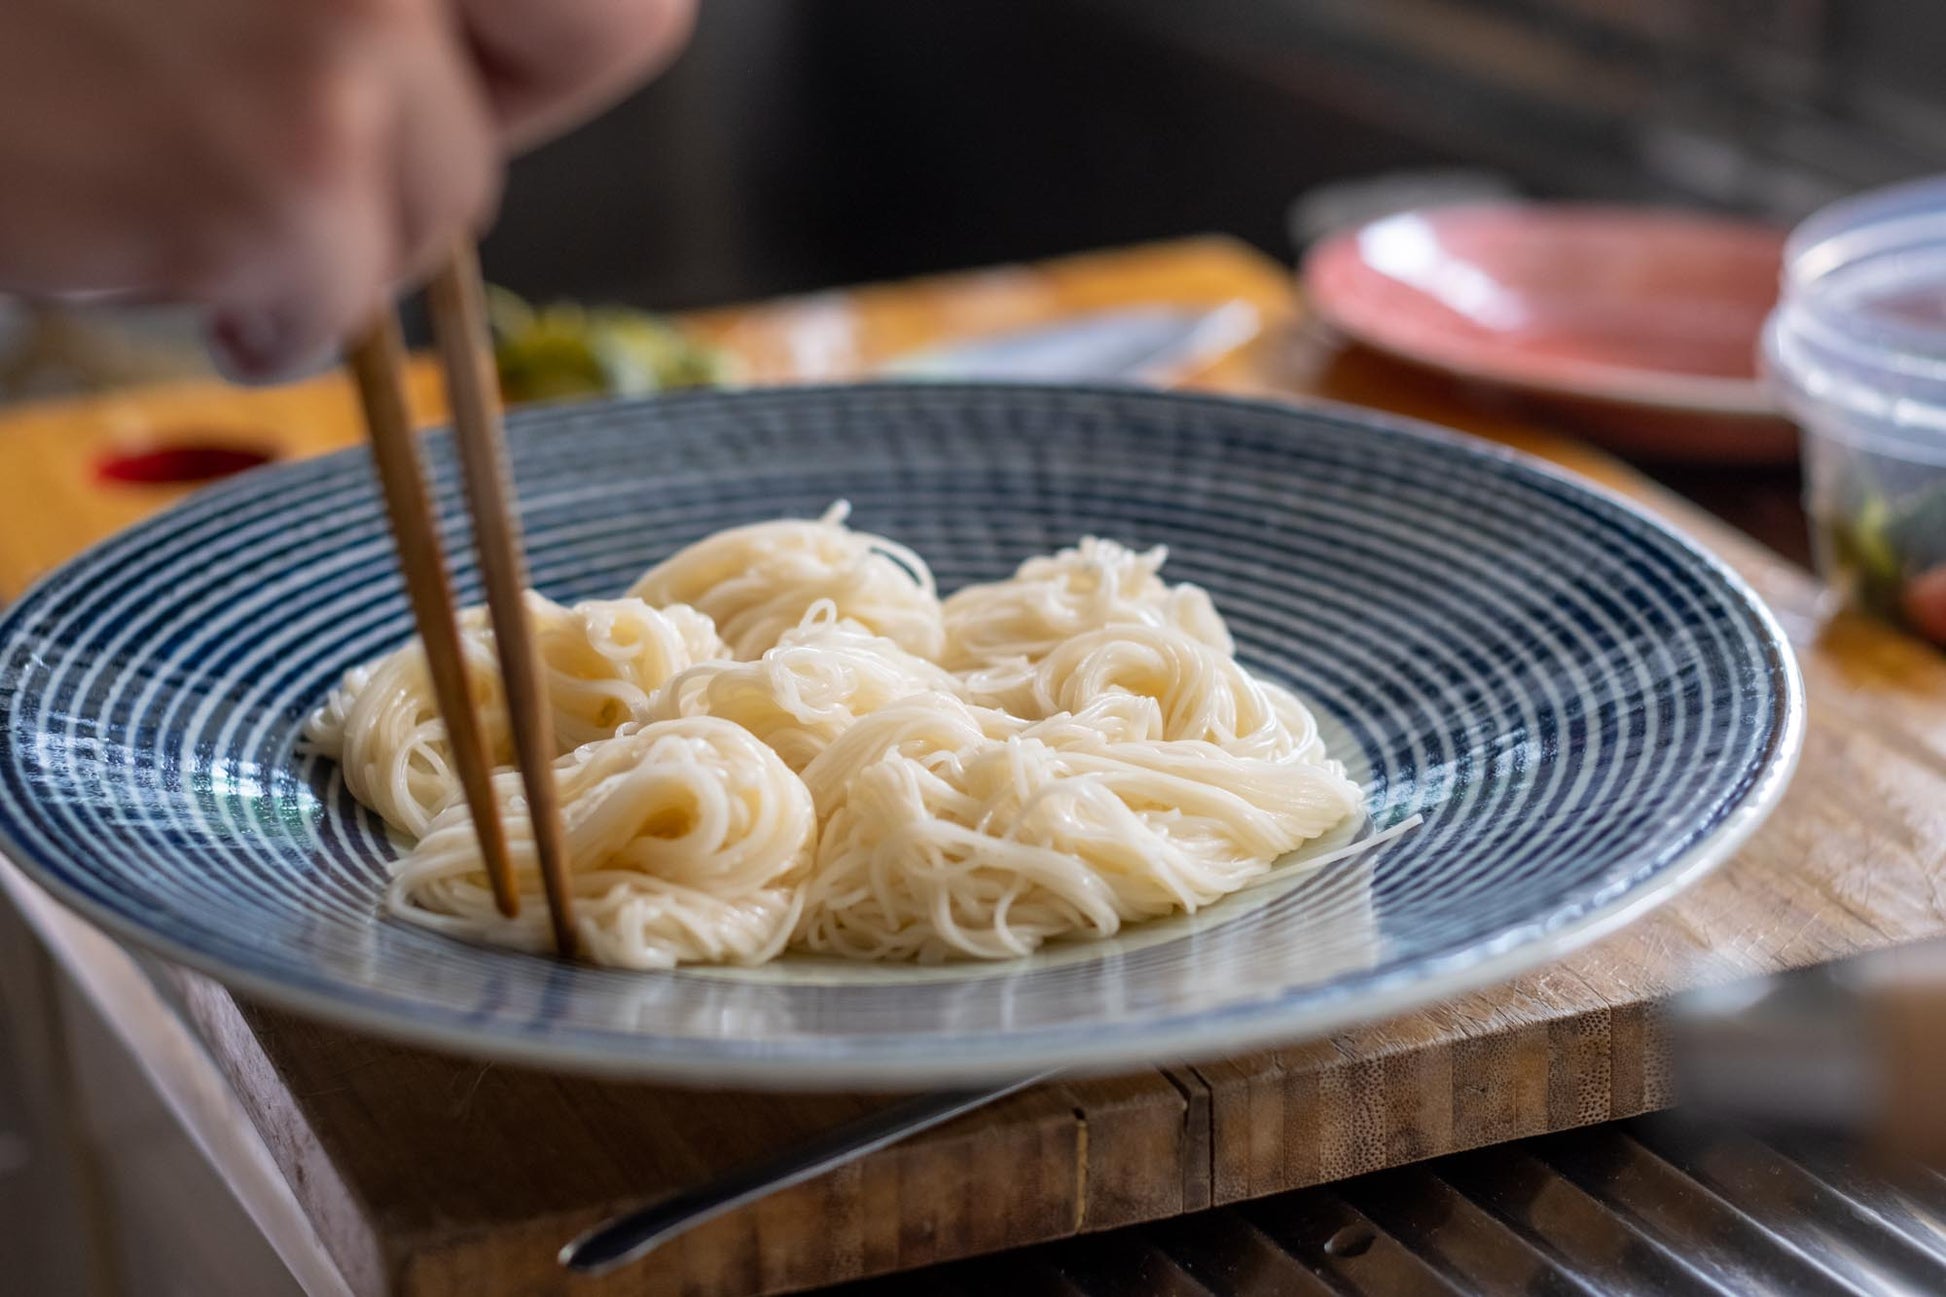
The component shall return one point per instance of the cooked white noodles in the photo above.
(946, 836)
(1051, 598)
(1201, 692)
(803, 693)
(604, 659)
(847, 771)
(757, 582)
(689, 842)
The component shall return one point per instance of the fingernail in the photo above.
(259, 346)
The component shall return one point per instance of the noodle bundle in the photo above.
(782, 740)
(689, 841)
(757, 582)
(941, 840)
(603, 659)
(800, 695)
(1053, 597)
(1201, 693)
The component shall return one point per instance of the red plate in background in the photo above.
(1646, 321)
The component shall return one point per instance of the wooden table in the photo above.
(379, 1169)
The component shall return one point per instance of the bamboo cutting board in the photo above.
(441, 1177)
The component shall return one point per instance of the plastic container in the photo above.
(1857, 352)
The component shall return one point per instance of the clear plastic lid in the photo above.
(1859, 337)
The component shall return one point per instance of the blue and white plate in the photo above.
(1587, 711)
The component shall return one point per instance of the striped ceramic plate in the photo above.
(1586, 711)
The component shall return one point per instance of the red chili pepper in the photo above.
(1924, 602)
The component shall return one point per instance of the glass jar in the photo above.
(1856, 350)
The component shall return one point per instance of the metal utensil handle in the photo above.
(634, 1234)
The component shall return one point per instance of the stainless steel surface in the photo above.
(1664, 1206)
(634, 1235)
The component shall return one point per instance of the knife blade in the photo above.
(1147, 344)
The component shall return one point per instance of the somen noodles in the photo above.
(604, 661)
(782, 740)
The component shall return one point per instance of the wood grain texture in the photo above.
(435, 1176)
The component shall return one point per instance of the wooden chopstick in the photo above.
(378, 363)
(457, 297)
(458, 301)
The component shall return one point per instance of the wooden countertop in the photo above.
(404, 1171)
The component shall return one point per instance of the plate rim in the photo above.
(1239, 1028)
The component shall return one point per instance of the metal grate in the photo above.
(1662, 1206)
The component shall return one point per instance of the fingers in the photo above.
(446, 155)
(315, 275)
(549, 66)
(409, 164)
(287, 164)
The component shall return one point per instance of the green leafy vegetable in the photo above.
(1862, 548)
(566, 351)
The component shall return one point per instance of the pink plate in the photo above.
(1642, 308)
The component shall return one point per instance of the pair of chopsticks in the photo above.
(457, 297)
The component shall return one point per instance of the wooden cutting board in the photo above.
(424, 1174)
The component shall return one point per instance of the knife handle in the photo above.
(1905, 1011)
(1856, 1048)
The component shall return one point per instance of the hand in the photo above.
(287, 163)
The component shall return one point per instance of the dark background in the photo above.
(803, 143)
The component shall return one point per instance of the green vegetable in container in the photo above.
(565, 351)
(1863, 551)
(1891, 551)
